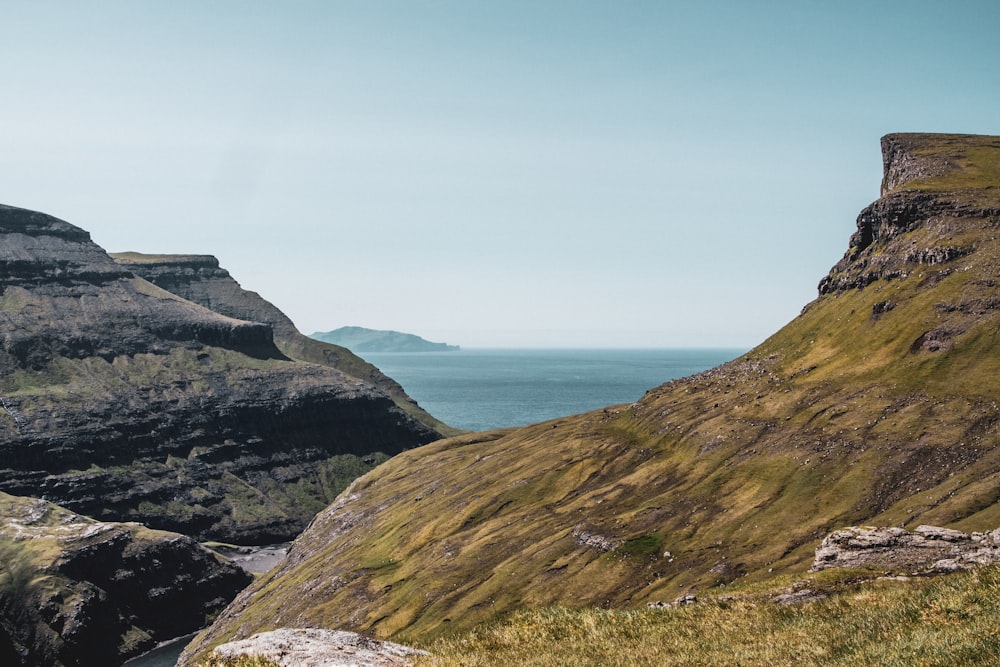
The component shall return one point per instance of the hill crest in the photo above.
(877, 405)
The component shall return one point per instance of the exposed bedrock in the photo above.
(124, 401)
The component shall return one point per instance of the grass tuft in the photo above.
(946, 621)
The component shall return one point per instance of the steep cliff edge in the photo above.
(200, 279)
(877, 405)
(74, 591)
(123, 401)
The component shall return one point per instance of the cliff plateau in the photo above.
(877, 405)
(123, 401)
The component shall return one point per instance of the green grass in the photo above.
(949, 621)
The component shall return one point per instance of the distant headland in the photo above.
(360, 340)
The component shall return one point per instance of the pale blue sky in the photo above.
(504, 173)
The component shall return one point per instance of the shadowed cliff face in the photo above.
(74, 591)
(877, 405)
(200, 279)
(121, 400)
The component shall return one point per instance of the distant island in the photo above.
(360, 340)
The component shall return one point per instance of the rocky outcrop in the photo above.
(200, 279)
(309, 647)
(124, 401)
(925, 550)
(74, 591)
(878, 249)
(903, 161)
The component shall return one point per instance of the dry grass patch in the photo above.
(945, 621)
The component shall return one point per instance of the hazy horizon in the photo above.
(509, 175)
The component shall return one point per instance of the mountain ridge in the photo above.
(200, 279)
(123, 401)
(876, 405)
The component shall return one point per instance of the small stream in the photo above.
(255, 560)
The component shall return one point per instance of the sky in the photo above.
(488, 174)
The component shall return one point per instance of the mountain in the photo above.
(363, 340)
(876, 405)
(124, 401)
(200, 279)
(74, 591)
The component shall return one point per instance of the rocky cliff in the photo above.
(123, 401)
(74, 591)
(877, 405)
(200, 279)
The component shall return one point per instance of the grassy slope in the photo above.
(732, 475)
(947, 621)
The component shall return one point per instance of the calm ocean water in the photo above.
(481, 389)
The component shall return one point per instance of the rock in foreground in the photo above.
(924, 550)
(74, 591)
(320, 648)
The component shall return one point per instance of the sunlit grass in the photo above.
(945, 621)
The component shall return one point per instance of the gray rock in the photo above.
(925, 550)
(85, 592)
(310, 647)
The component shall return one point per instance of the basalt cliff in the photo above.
(74, 591)
(877, 405)
(200, 279)
(123, 401)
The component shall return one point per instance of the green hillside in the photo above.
(877, 405)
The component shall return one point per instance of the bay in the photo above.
(483, 389)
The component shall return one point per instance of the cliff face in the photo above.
(122, 400)
(921, 219)
(877, 405)
(74, 591)
(200, 279)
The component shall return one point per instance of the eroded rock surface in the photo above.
(123, 401)
(321, 648)
(925, 550)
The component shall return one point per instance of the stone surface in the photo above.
(123, 401)
(321, 648)
(925, 550)
(74, 591)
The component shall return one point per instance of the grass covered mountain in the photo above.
(878, 404)
(123, 401)
(363, 340)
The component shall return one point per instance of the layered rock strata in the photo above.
(200, 279)
(123, 401)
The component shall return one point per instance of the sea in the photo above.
(483, 389)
